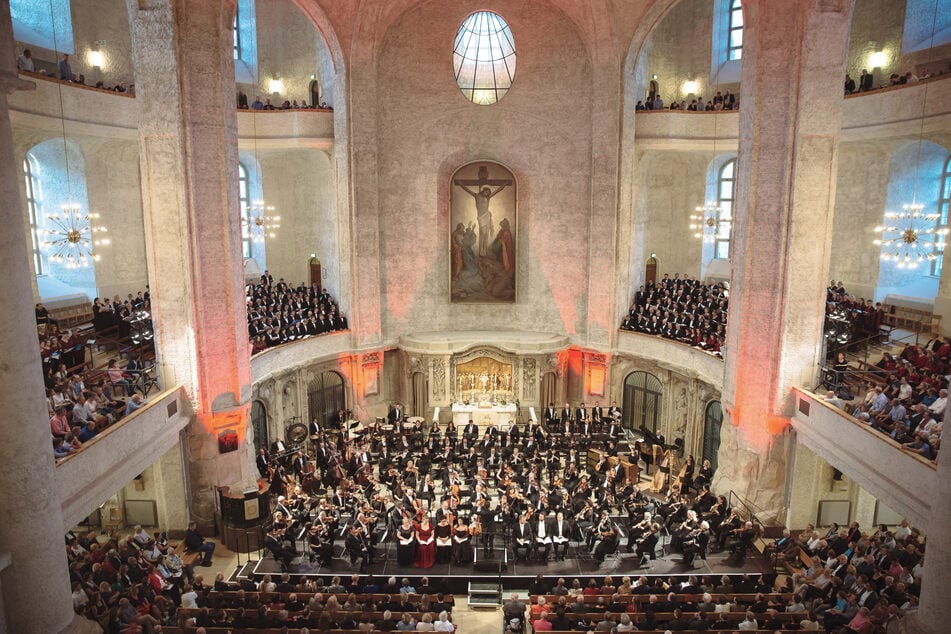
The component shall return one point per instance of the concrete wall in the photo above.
(288, 49)
(541, 130)
(101, 25)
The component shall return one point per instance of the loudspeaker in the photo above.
(491, 565)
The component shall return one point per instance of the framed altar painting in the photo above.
(482, 214)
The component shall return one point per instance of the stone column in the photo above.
(791, 100)
(188, 157)
(31, 526)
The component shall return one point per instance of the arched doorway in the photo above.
(314, 93)
(653, 89)
(643, 396)
(419, 394)
(650, 271)
(259, 425)
(712, 421)
(325, 397)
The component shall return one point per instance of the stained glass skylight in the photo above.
(484, 57)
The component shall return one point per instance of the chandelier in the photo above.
(261, 223)
(912, 239)
(70, 237)
(704, 222)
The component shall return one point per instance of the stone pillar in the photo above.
(793, 60)
(31, 526)
(188, 158)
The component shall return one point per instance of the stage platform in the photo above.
(579, 563)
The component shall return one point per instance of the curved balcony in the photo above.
(874, 115)
(674, 355)
(119, 453)
(300, 353)
(103, 113)
(902, 479)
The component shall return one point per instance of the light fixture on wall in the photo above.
(878, 59)
(912, 236)
(275, 86)
(70, 237)
(96, 59)
(690, 87)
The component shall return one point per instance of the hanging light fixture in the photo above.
(262, 220)
(70, 236)
(912, 236)
(704, 222)
(912, 239)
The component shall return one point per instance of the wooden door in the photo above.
(650, 272)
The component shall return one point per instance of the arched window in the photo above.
(259, 425)
(735, 31)
(47, 24)
(325, 397)
(927, 25)
(32, 208)
(245, 43)
(943, 203)
(712, 420)
(726, 196)
(483, 57)
(244, 204)
(643, 394)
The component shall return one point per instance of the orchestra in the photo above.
(439, 496)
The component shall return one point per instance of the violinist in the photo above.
(728, 528)
(321, 544)
(608, 544)
(695, 543)
(685, 528)
(638, 530)
(601, 528)
(648, 543)
(427, 490)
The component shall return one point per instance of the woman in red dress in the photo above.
(426, 548)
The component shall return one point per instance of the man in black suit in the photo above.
(396, 414)
(550, 414)
(261, 462)
(471, 432)
(565, 413)
(581, 417)
(560, 530)
(648, 544)
(523, 538)
(543, 541)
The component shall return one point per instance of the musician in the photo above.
(320, 540)
(543, 540)
(597, 415)
(582, 414)
(313, 430)
(742, 537)
(396, 414)
(705, 475)
(282, 507)
(461, 542)
(648, 544)
(608, 543)
(603, 526)
(685, 528)
(728, 528)
(695, 543)
(278, 446)
(470, 431)
(566, 415)
(614, 412)
(405, 543)
(443, 533)
(279, 480)
(427, 491)
(523, 538)
(275, 544)
(614, 429)
(262, 463)
(550, 414)
(359, 547)
(560, 530)
(299, 465)
(584, 426)
(637, 531)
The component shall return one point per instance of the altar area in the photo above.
(484, 415)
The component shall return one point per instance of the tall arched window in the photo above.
(244, 200)
(48, 24)
(712, 420)
(643, 394)
(735, 31)
(943, 203)
(325, 397)
(32, 208)
(726, 196)
(236, 35)
(259, 425)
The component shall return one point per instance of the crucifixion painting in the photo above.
(483, 220)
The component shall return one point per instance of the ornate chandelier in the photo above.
(70, 237)
(262, 223)
(912, 239)
(704, 222)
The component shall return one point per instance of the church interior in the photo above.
(489, 293)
